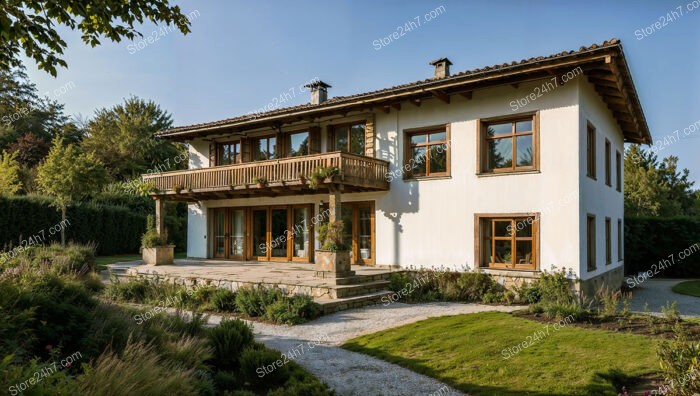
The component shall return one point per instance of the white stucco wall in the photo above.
(430, 223)
(597, 198)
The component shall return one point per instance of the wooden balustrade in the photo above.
(353, 170)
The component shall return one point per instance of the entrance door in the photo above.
(237, 232)
(219, 234)
(358, 227)
(229, 233)
(301, 233)
(279, 238)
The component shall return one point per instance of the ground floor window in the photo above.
(507, 241)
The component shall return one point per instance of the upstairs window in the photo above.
(348, 138)
(590, 151)
(264, 148)
(427, 152)
(608, 171)
(229, 153)
(297, 143)
(618, 171)
(509, 145)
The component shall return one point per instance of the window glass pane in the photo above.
(438, 158)
(523, 126)
(301, 232)
(524, 150)
(299, 144)
(523, 227)
(259, 232)
(341, 139)
(438, 136)
(416, 139)
(357, 139)
(503, 252)
(500, 153)
(237, 220)
(260, 149)
(272, 148)
(365, 233)
(418, 161)
(523, 252)
(237, 158)
(346, 216)
(503, 228)
(499, 129)
(486, 253)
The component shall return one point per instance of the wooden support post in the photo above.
(334, 204)
(160, 216)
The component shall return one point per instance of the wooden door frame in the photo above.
(310, 253)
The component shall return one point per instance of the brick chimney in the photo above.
(319, 91)
(442, 67)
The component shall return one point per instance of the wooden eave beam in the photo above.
(441, 95)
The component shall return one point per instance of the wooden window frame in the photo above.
(618, 171)
(590, 151)
(479, 237)
(482, 146)
(408, 148)
(331, 131)
(619, 240)
(591, 258)
(355, 233)
(255, 139)
(219, 146)
(608, 163)
(608, 241)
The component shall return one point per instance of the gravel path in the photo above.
(657, 292)
(314, 346)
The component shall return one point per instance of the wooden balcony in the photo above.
(285, 176)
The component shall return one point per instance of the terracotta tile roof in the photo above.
(613, 44)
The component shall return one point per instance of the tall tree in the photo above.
(122, 138)
(9, 174)
(680, 188)
(29, 26)
(69, 175)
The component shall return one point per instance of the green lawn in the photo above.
(465, 351)
(102, 261)
(691, 288)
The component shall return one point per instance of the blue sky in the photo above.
(241, 55)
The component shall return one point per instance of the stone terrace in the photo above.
(367, 287)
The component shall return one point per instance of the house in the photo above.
(509, 169)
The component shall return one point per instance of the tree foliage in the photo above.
(30, 26)
(69, 175)
(9, 174)
(654, 188)
(122, 138)
(30, 149)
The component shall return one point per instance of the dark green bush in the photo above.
(253, 363)
(223, 300)
(430, 285)
(253, 301)
(557, 299)
(293, 310)
(650, 240)
(229, 339)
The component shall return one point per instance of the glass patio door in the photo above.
(237, 233)
(219, 234)
(301, 248)
(279, 224)
(259, 224)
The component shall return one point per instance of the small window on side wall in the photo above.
(427, 152)
(509, 144)
(590, 151)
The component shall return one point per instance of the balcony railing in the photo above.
(354, 171)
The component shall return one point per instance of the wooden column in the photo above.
(160, 216)
(334, 204)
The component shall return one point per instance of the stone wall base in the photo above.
(611, 279)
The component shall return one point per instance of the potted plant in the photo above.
(333, 258)
(178, 187)
(323, 174)
(301, 177)
(154, 248)
(260, 181)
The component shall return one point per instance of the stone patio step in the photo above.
(358, 289)
(341, 304)
(353, 280)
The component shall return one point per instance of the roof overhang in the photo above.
(604, 66)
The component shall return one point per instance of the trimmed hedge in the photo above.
(649, 240)
(113, 229)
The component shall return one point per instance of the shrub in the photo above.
(557, 299)
(332, 236)
(293, 310)
(229, 339)
(253, 359)
(223, 300)
(474, 286)
(253, 301)
(430, 285)
(680, 364)
(670, 312)
(528, 292)
(612, 302)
